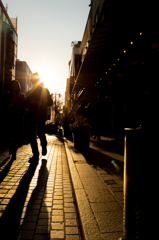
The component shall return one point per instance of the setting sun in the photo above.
(47, 76)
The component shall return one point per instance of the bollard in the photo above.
(133, 180)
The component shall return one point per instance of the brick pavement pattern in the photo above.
(63, 197)
(37, 202)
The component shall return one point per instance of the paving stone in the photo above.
(48, 195)
(110, 222)
(26, 234)
(46, 209)
(29, 225)
(57, 218)
(68, 195)
(42, 229)
(47, 204)
(44, 222)
(57, 213)
(2, 191)
(58, 193)
(2, 195)
(71, 230)
(33, 212)
(57, 226)
(93, 183)
(58, 197)
(34, 206)
(71, 222)
(70, 215)
(5, 201)
(69, 210)
(105, 207)
(44, 215)
(58, 207)
(112, 235)
(31, 218)
(68, 204)
(47, 199)
(42, 237)
(54, 234)
(72, 237)
(68, 200)
(99, 195)
(59, 202)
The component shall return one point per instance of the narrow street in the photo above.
(37, 202)
(66, 196)
(69, 195)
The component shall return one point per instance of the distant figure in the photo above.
(13, 105)
(38, 99)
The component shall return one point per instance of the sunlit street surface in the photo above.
(43, 200)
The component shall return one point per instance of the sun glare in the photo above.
(47, 77)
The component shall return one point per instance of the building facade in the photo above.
(119, 63)
(74, 65)
(23, 75)
(68, 97)
(8, 49)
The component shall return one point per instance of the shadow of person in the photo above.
(9, 222)
(5, 165)
(37, 218)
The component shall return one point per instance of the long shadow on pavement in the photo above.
(37, 217)
(10, 220)
(6, 163)
(6, 168)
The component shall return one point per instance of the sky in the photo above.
(46, 29)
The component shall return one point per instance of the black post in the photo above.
(133, 180)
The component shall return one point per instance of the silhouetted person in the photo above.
(13, 105)
(38, 99)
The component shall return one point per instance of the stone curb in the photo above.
(89, 225)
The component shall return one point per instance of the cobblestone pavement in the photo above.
(37, 202)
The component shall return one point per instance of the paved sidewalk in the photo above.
(63, 197)
(100, 208)
(38, 202)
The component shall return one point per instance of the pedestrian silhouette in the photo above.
(13, 106)
(37, 101)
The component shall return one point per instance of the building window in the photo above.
(4, 17)
(96, 16)
(14, 37)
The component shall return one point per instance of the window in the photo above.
(96, 16)
(4, 17)
(14, 37)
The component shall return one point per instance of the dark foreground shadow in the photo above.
(98, 159)
(37, 213)
(10, 220)
(110, 145)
